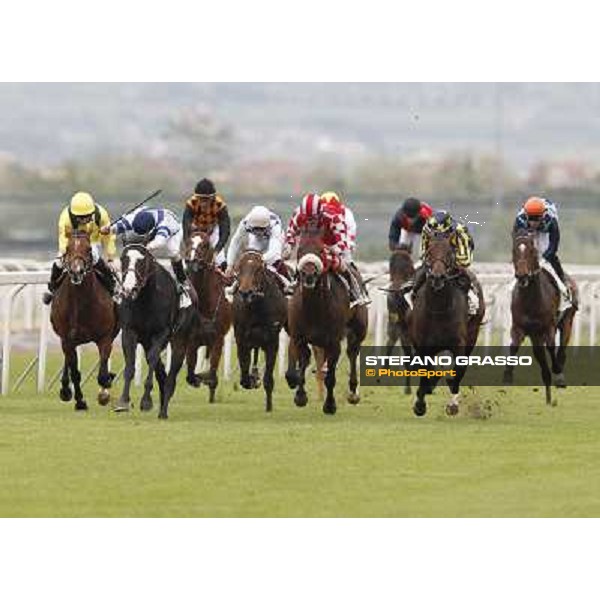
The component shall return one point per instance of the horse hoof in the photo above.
(103, 397)
(194, 381)
(560, 382)
(329, 408)
(163, 416)
(420, 408)
(353, 398)
(407, 391)
(256, 383)
(300, 398)
(247, 383)
(146, 404)
(269, 408)
(292, 380)
(121, 407)
(451, 410)
(66, 394)
(81, 405)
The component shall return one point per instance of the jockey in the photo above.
(407, 224)
(162, 235)
(83, 214)
(328, 219)
(442, 223)
(206, 211)
(331, 198)
(260, 230)
(540, 217)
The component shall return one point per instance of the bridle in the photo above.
(448, 261)
(205, 261)
(77, 277)
(141, 276)
(525, 258)
(258, 277)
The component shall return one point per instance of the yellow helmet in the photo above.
(330, 198)
(82, 204)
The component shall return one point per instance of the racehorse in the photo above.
(214, 309)
(534, 309)
(82, 312)
(440, 319)
(150, 315)
(319, 313)
(259, 313)
(402, 270)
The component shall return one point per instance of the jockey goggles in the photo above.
(259, 231)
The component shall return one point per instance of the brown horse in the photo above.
(259, 313)
(534, 309)
(319, 314)
(402, 270)
(215, 311)
(440, 319)
(82, 312)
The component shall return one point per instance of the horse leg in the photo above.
(161, 378)
(420, 404)
(76, 379)
(129, 344)
(352, 350)
(565, 329)
(213, 374)
(292, 376)
(191, 357)
(516, 339)
(540, 354)
(301, 397)
(178, 354)
(66, 394)
(333, 355)
(268, 380)
(153, 351)
(254, 375)
(319, 355)
(407, 349)
(244, 352)
(105, 378)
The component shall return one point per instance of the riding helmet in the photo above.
(205, 188)
(440, 221)
(143, 222)
(82, 204)
(535, 207)
(330, 198)
(411, 207)
(311, 205)
(259, 218)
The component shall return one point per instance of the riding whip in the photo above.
(150, 197)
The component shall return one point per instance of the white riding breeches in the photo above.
(214, 240)
(411, 239)
(170, 247)
(544, 264)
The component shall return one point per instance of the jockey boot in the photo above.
(356, 297)
(365, 299)
(55, 275)
(279, 268)
(472, 295)
(184, 287)
(107, 279)
(566, 300)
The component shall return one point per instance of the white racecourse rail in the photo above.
(25, 320)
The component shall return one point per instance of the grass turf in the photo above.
(506, 454)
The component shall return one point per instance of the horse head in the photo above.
(199, 253)
(401, 266)
(251, 276)
(78, 260)
(440, 261)
(137, 265)
(525, 258)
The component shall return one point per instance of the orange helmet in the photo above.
(535, 207)
(330, 198)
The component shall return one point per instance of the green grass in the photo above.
(506, 454)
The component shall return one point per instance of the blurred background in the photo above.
(477, 149)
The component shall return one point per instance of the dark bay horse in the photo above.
(319, 314)
(402, 270)
(214, 310)
(82, 312)
(534, 308)
(150, 314)
(259, 313)
(440, 319)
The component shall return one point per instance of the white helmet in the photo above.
(259, 218)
